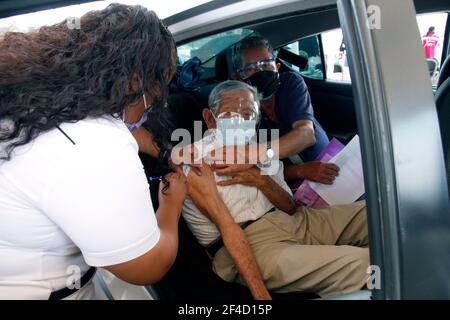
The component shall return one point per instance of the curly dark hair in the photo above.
(58, 74)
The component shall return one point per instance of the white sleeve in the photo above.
(103, 204)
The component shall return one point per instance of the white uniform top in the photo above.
(64, 207)
(244, 203)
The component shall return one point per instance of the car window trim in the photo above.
(446, 48)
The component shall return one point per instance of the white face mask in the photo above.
(235, 131)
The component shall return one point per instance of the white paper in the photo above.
(349, 185)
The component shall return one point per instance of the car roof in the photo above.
(277, 20)
(25, 16)
(272, 18)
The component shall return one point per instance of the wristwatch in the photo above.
(269, 156)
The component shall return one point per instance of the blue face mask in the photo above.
(136, 125)
(235, 131)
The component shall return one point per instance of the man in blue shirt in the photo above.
(291, 104)
(286, 105)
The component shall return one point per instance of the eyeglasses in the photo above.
(231, 114)
(261, 65)
(237, 108)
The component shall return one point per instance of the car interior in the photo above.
(191, 275)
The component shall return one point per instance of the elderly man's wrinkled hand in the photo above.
(230, 170)
(229, 155)
(251, 177)
(202, 188)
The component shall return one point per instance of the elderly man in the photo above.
(249, 225)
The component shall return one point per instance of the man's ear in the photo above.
(234, 76)
(209, 119)
(278, 66)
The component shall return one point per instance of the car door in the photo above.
(409, 217)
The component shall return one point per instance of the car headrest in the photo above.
(432, 65)
(300, 60)
(224, 65)
(445, 72)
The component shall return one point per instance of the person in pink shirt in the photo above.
(430, 41)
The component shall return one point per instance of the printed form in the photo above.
(349, 185)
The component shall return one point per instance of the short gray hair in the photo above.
(253, 41)
(228, 86)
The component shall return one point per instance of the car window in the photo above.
(206, 49)
(309, 49)
(335, 56)
(432, 32)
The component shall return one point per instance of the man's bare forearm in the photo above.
(296, 141)
(237, 245)
(293, 142)
(279, 197)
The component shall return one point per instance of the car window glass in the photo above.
(207, 48)
(335, 55)
(432, 32)
(309, 49)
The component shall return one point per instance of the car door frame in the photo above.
(446, 47)
(409, 222)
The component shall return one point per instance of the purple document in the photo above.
(305, 196)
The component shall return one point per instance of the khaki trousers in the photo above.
(324, 251)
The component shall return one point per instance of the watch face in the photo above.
(270, 153)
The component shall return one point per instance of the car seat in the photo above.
(224, 65)
(443, 109)
(300, 60)
(191, 276)
(445, 72)
(433, 66)
(185, 110)
(223, 71)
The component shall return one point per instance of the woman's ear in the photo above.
(155, 89)
(209, 119)
(134, 85)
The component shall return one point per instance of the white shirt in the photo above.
(64, 207)
(244, 203)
